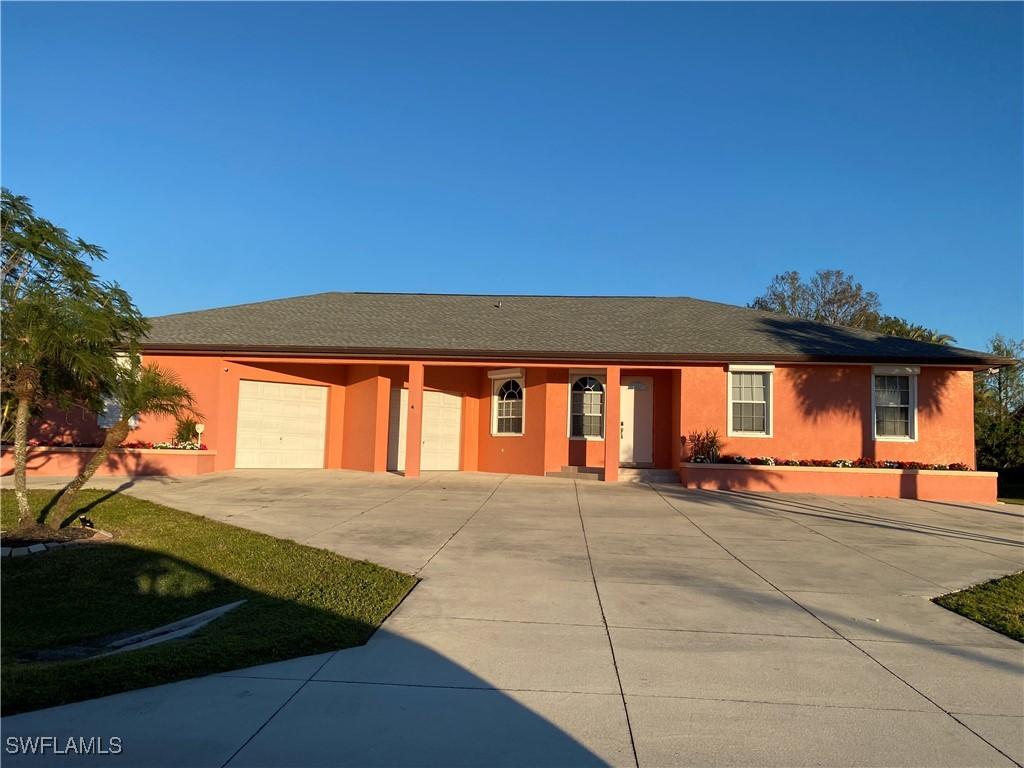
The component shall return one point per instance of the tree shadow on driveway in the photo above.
(275, 714)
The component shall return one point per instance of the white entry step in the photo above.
(629, 475)
(578, 473)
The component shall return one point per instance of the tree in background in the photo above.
(831, 296)
(891, 325)
(836, 298)
(999, 409)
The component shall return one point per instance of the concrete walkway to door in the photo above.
(581, 624)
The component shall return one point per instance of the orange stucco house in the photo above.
(558, 385)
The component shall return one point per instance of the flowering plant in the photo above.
(862, 463)
(136, 444)
(34, 442)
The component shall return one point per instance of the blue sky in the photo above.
(225, 153)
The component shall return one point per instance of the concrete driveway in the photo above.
(562, 623)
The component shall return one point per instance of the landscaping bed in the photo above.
(996, 604)
(126, 461)
(955, 485)
(164, 565)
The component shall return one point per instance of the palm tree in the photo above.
(139, 390)
(61, 324)
(55, 347)
(897, 326)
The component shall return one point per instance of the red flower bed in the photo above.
(137, 444)
(863, 463)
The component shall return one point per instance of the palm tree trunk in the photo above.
(26, 386)
(114, 437)
(20, 462)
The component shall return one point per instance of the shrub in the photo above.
(774, 461)
(185, 432)
(705, 447)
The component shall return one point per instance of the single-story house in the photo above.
(539, 385)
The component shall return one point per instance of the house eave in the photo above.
(963, 362)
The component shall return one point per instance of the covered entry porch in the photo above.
(412, 416)
(532, 419)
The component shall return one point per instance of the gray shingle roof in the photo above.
(569, 327)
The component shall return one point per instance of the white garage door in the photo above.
(280, 425)
(442, 430)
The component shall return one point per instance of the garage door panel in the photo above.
(441, 435)
(280, 425)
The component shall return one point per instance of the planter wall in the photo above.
(926, 484)
(128, 462)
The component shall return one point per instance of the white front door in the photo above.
(636, 411)
(398, 414)
(442, 430)
(280, 425)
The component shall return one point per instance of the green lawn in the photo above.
(998, 604)
(164, 565)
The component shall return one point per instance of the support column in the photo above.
(612, 423)
(677, 419)
(414, 421)
(382, 402)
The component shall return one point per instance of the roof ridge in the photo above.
(245, 304)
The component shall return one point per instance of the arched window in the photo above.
(508, 407)
(586, 408)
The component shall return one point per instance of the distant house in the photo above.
(535, 385)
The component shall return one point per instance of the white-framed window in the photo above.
(508, 402)
(750, 400)
(586, 407)
(894, 402)
(111, 414)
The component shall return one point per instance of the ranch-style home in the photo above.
(564, 385)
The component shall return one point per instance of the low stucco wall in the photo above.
(128, 462)
(925, 484)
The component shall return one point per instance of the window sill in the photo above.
(878, 439)
(507, 434)
(586, 439)
(747, 434)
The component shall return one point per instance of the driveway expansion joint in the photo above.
(604, 620)
(851, 642)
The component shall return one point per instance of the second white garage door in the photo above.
(442, 430)
(280, 426)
